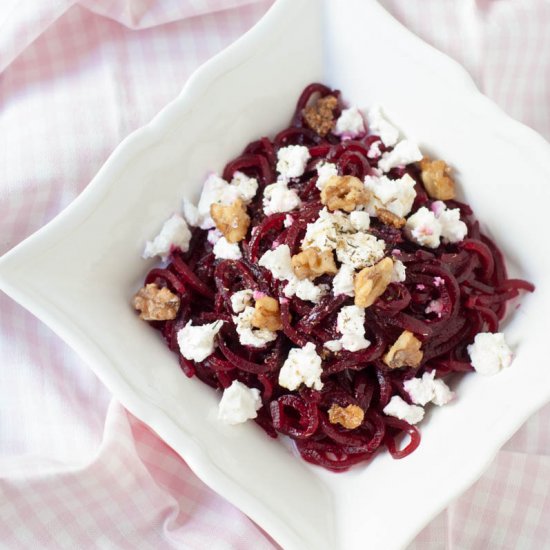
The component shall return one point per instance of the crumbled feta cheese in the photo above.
(360, 249)
(305, 290)
(428, 389)
(325, 171)
(227, 251)
(342, 283)
(360, 220)
(239, 403)
(423, 228)
(190, 213)
(248, 335)
(278, 261)
(378, 125)
(289, 220)
(213, 236)
(403, 153)
(215, 190)
(333, 345)
(246, 186)
(374, 150)
(279, 198)
(397, 196)
(490, 353)
(241, 299)
(351, 325)
(350, 124)
(196, 343)
(174, 233)
(292, 161)
(453, 229)
(437, 207)
(326, 231)
(399, 408)
(302, 365)
(399, 272)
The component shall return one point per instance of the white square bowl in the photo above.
(79, 272)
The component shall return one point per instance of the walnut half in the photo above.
(435, 177)
(405, 352)
(320, 116)
(231, 219)
(344, 193)
(267, 314)
(389, 218)
(371, 282)
(312, 263)
(156, 304)
(350, 417)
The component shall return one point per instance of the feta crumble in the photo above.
(453, 229)
(302, 365)
(423, 228)
(247, 187)
(215, 190)
(241, 299)
(213, 236)
(248, 335)
(342, 283)
(360, 249)
(292, 161)
(305, 290)
(325, 171)
(288, 221)
(374, 151)
(397, 196)
(174, 233)
(398, 408)
(351, 325)
(428, 389)
(190, 213)
(399, 273)
(227, 251)
(360, 220)
(279, 198)
(239, 403)
(278, 261)
(326, 231)
(196, 343)
(490, 353)
(403, 153)
(350, 124)
(378, 125)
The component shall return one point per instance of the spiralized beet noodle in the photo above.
(473, 297)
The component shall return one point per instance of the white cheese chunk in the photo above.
(196, 343)
(239, 403)
(398, 408)
(325, 171)
(279, 198)
(350, 124)
(403, 153)
(302, 366)
(378, 125)
(360, 220)
(215, 190)
(305, 290)
(360, 249)
(428, 389)
(351, 325)
(248, 335)
(174, 234)
(453, 229)
(227, 251)
(342, 283)
(241, 299)
(490, 353)
(292, 161)
(423, 228)
(246, 186)
(327, 230)
(190, 213)
(399, 273)
(278, 261)
(397, 196)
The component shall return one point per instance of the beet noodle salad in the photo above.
(328, 282)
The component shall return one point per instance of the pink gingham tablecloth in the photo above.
(76, 470)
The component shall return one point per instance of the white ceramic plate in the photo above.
(79, 272)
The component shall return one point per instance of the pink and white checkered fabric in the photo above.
(76, 470)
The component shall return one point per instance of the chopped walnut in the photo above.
(350, 417)
(405, 352)
(156, 304)
(344, 193)
(312, 263)
(320, 116)
(267, 314)
(389, 218)
(437, 181)
(232, 220)
(371, 282)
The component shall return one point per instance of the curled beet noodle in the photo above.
(449, 294)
